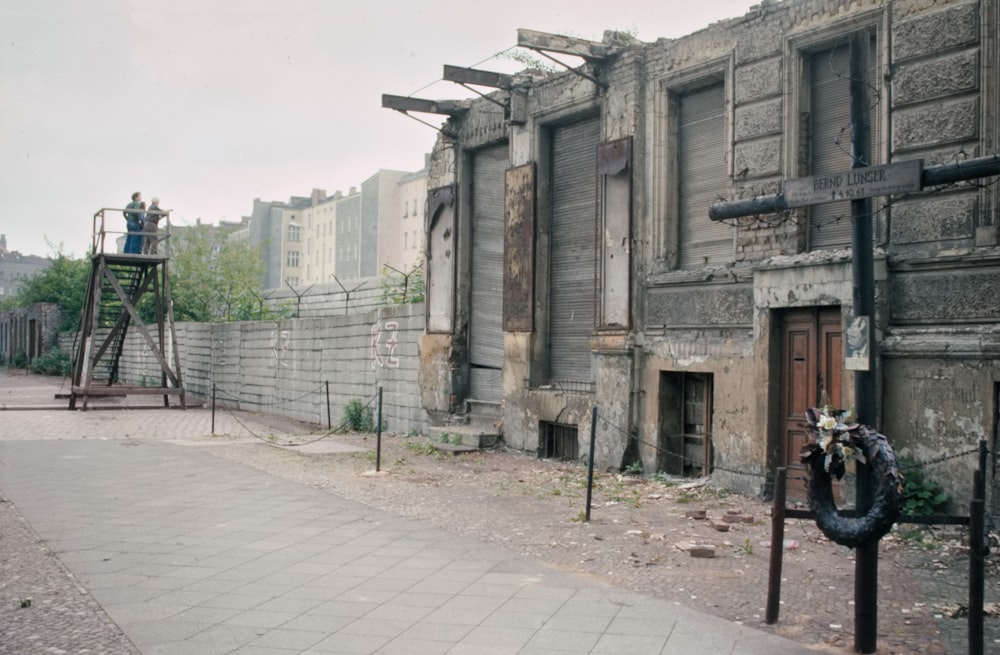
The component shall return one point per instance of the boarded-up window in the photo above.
(829, 138)
(702, 176)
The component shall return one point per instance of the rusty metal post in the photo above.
(777, 545)
(590, 462)
(378, 433)
(977, 553)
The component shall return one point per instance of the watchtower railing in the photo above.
(100, 229)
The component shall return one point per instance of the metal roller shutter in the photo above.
(573, 249)
(701, 178)
(830, 140)
(486, 280)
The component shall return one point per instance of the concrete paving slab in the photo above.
(189, 553)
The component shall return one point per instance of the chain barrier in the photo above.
(633, 436)
(279, 403)
(939, 460)
(342, 427)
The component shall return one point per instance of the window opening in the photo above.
(685, 443)
(558, 441)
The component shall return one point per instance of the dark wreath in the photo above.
(825, 457)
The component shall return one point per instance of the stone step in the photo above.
(469, 436)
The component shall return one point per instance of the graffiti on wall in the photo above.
(279, 348)
(385, 338)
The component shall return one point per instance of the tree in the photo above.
(191, 273)
(214, 278)
(63, 282)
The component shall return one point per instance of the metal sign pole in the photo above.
(863, 296)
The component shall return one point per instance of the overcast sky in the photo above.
(209, 104)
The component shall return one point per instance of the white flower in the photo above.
(827, 422)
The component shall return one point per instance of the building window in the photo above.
(828, 133)
(684, 446)
(406, 240)
(293, 258)
(294, 233)
(558, 441)
(701, 172)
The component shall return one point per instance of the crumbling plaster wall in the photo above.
(938, 406)
(940, 101)
(562, 98)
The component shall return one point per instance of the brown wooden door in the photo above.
(812, 374)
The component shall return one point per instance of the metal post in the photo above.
(777, 545)
(213, 408)
(863, 269)
(590, 461)
(378, 434)
(977, 553)
(329, 422)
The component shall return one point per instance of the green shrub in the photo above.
(19, 360)
(54, 362)
(358, 417)
(921, 495)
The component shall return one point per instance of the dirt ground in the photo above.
(641, 533)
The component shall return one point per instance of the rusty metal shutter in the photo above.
(573, 249)
(830, 139)
(702, 175)
(486, 279)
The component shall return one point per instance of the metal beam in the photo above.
(969, 169)
(464, 75)
(405, 104)
(567, 45)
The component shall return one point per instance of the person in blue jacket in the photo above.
(133, 220)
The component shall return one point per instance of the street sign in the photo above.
(853, 184)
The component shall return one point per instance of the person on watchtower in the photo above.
(150, 226)
(133, 220)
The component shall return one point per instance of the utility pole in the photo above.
(863, 297)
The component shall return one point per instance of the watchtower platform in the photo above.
(118, 282)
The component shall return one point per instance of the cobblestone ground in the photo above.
(43, 609)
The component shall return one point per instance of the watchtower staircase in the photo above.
(117, 284)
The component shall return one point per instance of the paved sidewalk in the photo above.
(190, 553)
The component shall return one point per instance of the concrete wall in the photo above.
(283, 367)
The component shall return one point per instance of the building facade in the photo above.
(312, 240)
(16, 269)
(28, 332)
(572, 262)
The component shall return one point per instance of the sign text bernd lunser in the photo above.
(903, 177)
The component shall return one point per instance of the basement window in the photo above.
(558, 441)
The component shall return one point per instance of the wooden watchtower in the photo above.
(117, 284)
